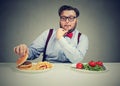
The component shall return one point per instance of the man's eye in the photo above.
(63, 17)
(71, 17)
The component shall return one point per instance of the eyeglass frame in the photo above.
(65, 18)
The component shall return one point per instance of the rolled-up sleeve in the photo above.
(75, 53)
(37, 47)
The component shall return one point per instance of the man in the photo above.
(60, 47)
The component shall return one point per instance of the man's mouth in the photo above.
(67, 26)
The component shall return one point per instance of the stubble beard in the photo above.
(71, 30)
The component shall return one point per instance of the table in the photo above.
(60, 75)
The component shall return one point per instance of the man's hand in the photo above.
(60, 33)
(21, 49)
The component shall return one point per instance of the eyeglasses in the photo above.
(70, 19)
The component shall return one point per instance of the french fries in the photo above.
(41, 66)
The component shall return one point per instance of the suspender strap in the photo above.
(48, 38)
(79, 34)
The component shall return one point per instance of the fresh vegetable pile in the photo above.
(91, 65)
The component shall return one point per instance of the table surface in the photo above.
(60, 75)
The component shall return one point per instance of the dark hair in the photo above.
(66, 7)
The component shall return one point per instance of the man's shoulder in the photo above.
(82, 34)
(47, 30)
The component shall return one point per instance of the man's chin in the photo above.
(66, 28)
(69, 30)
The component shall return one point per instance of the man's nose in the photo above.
(67, 20)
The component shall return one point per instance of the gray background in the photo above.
(21, 21)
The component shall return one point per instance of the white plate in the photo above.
(73, 66)
(34, 71)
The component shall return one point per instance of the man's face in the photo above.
(68, 20)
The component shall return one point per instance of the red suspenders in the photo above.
(48, 38)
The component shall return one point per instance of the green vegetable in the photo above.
(95, 68)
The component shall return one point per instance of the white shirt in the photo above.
(62, 50)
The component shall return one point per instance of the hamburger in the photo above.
(25, 65)
(22, 63)
(21, 59)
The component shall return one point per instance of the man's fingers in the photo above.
(66, 31)
(16, 50)
(27, 51)
(21, 50)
